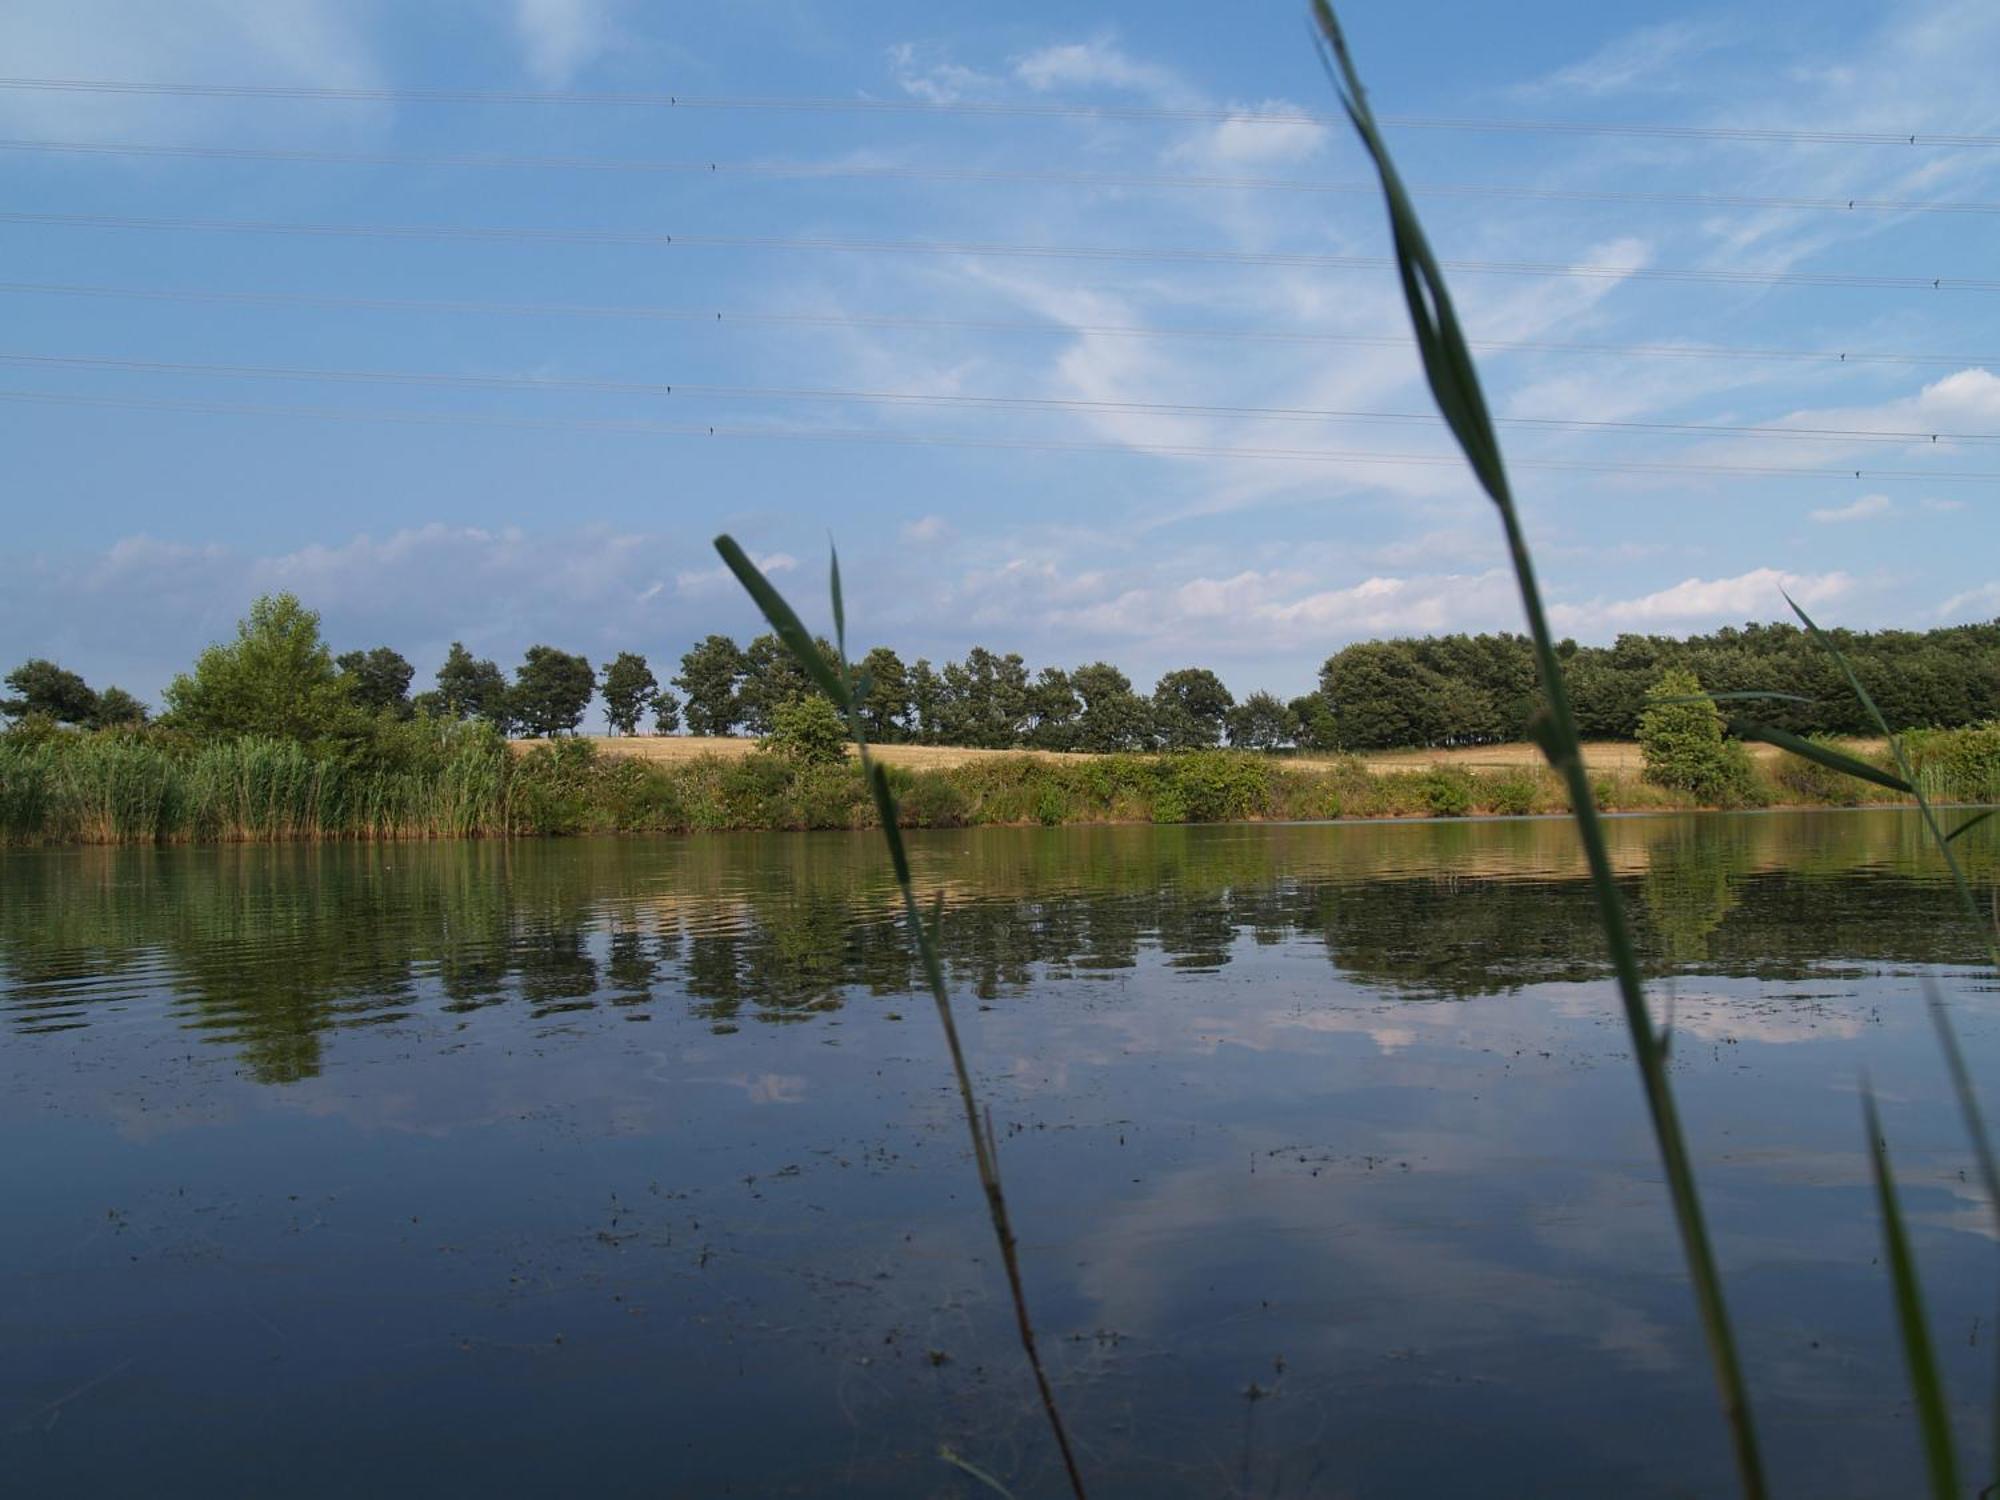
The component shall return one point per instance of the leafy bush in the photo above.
(1214, 786)
(1680, 737)
(1796, 779)
(933, 799)
(1513, 795)
(1957, 765)
(1447, 793)
(807, 731)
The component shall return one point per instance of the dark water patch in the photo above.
(632, 1165)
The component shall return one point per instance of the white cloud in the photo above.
(1867, 508)
(310, 43)
(1097, 64)
(1983, 602)
(560, 38)
(1255, 143)
(1652, 59)
(923, 71)
(704, 580)
(926, 529)
(139, 611)
(1694, 601)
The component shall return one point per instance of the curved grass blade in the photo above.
(1933, 1418)
(1989, 930)
(839, 685)
(1989, 1169)
(966, 1466)
(797, 639)
(1454, 384)
(1971, 823)
(1744, 697)
(1825, 755)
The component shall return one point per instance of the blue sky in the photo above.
(504, 515)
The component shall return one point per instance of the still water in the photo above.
(632, 1167)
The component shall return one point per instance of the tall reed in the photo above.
(840, 683)
(1455, 384)
(1970, 756)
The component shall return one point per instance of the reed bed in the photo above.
(139, 789)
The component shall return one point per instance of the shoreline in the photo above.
(108, 790)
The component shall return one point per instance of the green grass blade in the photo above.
(1970, 823)
(1968, 1099)
(1813, 750)
(1988, 929)
(1745, 697)
(966, 1466)
(1933, 1418)
(1454, 383)
(798, 640)
(1989, 1170)
(839, 686)
(839, 605)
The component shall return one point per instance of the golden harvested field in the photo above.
(672, 747)
(1602, 756)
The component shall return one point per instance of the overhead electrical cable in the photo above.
(1304, 259)
(992, 108)
(856, 171)
(959, 401)
(725, 317)
(962, 440)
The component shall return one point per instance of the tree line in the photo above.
(279, 678)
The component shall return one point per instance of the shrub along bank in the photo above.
(430, 779)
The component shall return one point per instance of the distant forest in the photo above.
(1425, 692)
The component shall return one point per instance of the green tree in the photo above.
(1680, 737)
(551, 691)
(1316, 727)
(117, 709)
(1114, 717)
(277, 678)
(629, 687)
(1190, 707)
(51, 691)
(1054, 705)
(666, 712)
(885, 708)
(709, 678)
(1261, 722)
(808, 731)
(469, 689)
(1383, 696)
(378, 680)
(926, 703)
(985, 700)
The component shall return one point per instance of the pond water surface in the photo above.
(632, 1167)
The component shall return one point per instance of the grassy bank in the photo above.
(456, 782)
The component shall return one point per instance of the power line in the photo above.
(843, 170)
(955, 440)
(708, 391)
(725, 317)
(991, 108)
(1304, 259)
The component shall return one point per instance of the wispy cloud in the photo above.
(924, 70)
(1097, 64)
(560, 38)
(1867, 508)
(1755, 595)
(1982, 602)
(317, 43)
(1653, 59)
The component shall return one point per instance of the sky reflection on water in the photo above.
(632, 1165)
